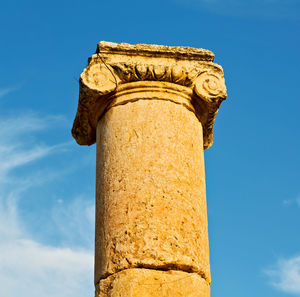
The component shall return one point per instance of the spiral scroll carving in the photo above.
(100, 78)
(210, 86)
(103, 78)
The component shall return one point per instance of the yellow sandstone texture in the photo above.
(152, 283)
(151, 110)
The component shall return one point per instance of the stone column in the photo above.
(151, 110)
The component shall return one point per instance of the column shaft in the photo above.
(151, 110)
(150, 194)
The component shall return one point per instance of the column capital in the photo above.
(121, 67)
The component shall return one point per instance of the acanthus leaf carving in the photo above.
(175, 74)
(103, 78)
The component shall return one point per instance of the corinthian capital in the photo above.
(183, 75)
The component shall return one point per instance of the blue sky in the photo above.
(47, 181)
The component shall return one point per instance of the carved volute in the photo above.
(148, 69)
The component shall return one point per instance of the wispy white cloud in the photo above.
(31, 269)
(34, 269)
(285, 275)
(16, 125)
(28, 266)
(258, 8)
(9, 223)
(6, 91)
(292, 202)
(77, 215)
(287, 202)
(13, 151)
(12, 158)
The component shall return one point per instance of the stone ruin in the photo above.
(150, 109)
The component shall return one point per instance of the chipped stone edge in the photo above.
(183, 52)
(100, 80)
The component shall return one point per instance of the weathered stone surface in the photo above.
(117, 64)
(151, 111)
(151, 283)
(150, 195)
